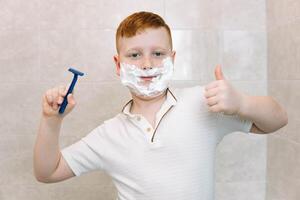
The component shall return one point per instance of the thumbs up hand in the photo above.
(221, 96)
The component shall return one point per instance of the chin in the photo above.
(142, 97)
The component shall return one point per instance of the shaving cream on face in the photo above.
(131, 78)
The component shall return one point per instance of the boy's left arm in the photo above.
(265, 113)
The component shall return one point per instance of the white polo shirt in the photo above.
(174, 160)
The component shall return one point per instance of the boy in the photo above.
(162, 144)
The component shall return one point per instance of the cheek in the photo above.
(137, 63)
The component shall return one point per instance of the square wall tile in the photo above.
(287, 93)
(193, 14)
(284, 52)
(241, 157)
(244, 55)
(88, 51)
(91, 14)
(89, 192)
(21, 108)
(283, 173)
(280, 13)
(19, 15)
(25, 192)
(246, 190)
(196, 53)
(243, 15)
(19, 56)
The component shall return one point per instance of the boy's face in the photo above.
(146, 49)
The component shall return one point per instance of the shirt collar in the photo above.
(170, 101)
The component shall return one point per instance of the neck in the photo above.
(145, 105)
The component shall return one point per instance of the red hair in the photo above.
(139, 21)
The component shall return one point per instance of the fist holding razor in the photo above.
(53, 99)
(60, 97)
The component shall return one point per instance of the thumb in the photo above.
(219, 73)
(71, 100)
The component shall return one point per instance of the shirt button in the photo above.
(138, 118)
(149, 129)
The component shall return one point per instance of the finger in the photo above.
(49, 97)
(215, 108)
(55, 106)
(62, 94)
(60, 100)
(55, 95)
(211, 92)
(218, 73)
(212, 101)
(212, 85)
(62, 90)
(45, 101)
(47, 109)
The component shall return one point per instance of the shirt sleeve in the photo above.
(232, 123)
(85, 155)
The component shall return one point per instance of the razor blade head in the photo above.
(76, 72)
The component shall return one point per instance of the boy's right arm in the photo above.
(49, 164)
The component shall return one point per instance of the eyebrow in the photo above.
(140, 49)
(133, 49)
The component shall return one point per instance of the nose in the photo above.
(147, 64)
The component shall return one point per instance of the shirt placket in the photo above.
(149, 132)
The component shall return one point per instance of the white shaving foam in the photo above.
(131, 78)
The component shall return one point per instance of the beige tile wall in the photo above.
(283, 174)
(40, 40)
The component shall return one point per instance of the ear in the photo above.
(173, 56)
(117, 63)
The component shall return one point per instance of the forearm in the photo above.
(46, 150)
(264, 112)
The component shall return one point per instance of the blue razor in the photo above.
(70, 90)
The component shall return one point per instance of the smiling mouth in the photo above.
(147, 78)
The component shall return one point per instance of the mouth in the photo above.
(147, 78)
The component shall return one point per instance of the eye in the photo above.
(158, 54)
(134, 55)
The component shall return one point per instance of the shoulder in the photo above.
(112, 124)
(104, 129)
(194, 93)
(190, 99)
